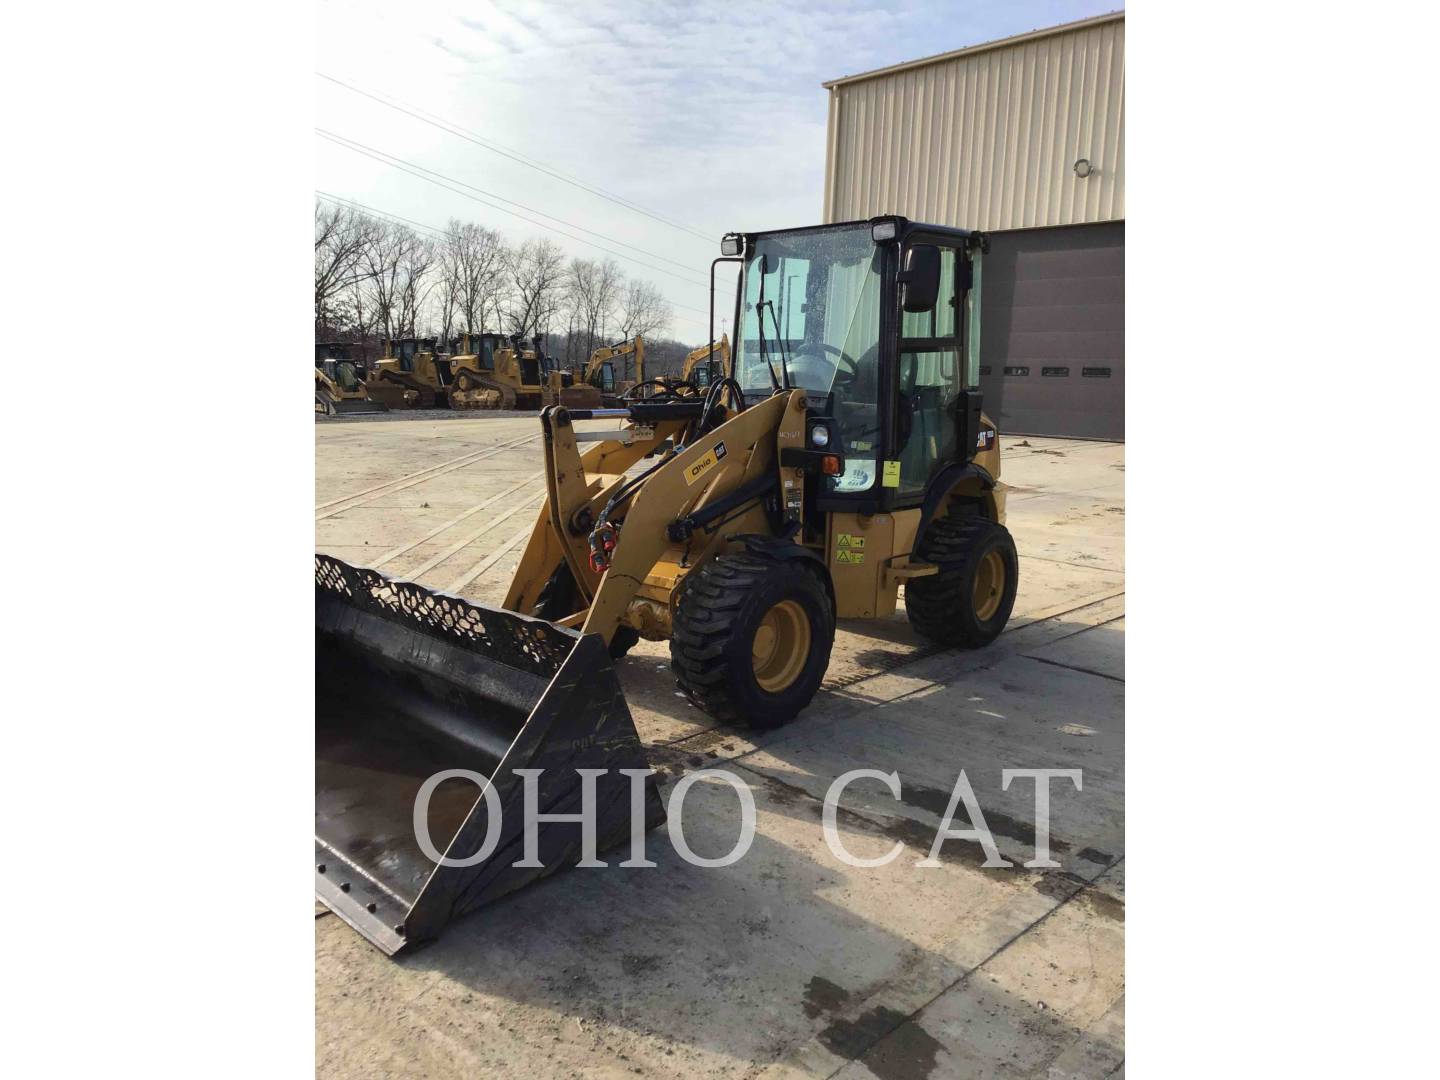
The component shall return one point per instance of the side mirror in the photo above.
(920, 280)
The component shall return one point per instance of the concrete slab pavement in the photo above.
(789, 962)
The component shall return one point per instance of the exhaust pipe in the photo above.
(410, 683)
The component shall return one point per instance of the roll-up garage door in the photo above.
(1052, 332)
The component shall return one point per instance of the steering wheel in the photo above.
(845, 368)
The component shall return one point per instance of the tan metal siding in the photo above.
(988, 139)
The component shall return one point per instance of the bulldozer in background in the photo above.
(843, 456)
(339, 382)
(500, 372)
(411, 375)
(562, 388)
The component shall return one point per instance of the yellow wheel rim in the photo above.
(781, 646)
(989, 585)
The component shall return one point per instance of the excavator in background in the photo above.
(698, 370)
(841, 458)
(602, 373)
(339, 385)
(707, 364)
(500, 372)
(412, 375)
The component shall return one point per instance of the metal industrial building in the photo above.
(1023, 138)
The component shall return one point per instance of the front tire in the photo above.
(968, 602)
(751, 638)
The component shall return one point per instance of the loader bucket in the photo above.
(410, 682)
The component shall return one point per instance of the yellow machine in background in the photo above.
(412, 375)
(694, 377)
(843, 457)
(603, 373)
(561, 388)
(499, 372)
(705, 365)
(339, 387)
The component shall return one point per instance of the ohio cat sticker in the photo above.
(707, 462)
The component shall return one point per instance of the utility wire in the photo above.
(338, 201)
(353, 143)
(446, 182)
(470, 136)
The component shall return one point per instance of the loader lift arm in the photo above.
(715, 466)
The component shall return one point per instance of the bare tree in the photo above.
(448, 285)
(391, 261)
(361, 314)
(417, 263)
(592, 292)
(536, 271)
(644, 310)
(478, 258)
(342, 234)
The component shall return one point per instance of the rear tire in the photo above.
(968, 603)
(751, 638)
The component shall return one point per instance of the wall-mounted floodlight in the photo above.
(1083, 168)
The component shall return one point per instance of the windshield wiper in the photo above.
(760, 322)
(779, 337)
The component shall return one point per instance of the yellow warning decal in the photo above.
(848, 540)
(700, 468)
(846, 555)
(891, 476)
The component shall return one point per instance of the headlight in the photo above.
(820, 436)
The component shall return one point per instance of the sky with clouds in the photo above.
(708, 115)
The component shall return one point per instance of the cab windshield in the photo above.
(812, 300)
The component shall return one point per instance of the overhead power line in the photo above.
(470, 136)
(339, 201)
(446, 182)
(345, 139)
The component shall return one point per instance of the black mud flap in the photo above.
(410, 682)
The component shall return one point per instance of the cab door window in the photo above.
(931, 378)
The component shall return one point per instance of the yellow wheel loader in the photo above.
(844, 456)
(339, 387)
(497, 372)
(413, 375)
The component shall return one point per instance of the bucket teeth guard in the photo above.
(410, 682)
